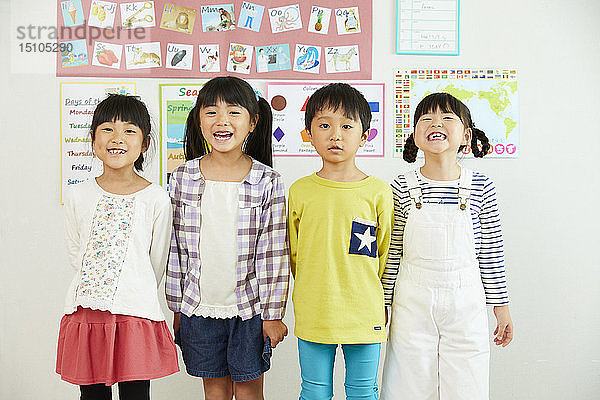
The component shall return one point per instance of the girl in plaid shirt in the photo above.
(228, 270)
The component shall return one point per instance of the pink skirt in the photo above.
(99, 347)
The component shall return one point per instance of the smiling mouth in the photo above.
(222, 135)
(116, 151)
(436, 136)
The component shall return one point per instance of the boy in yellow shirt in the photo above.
(340, 221)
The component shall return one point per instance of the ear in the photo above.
(363, 137)
(146, 144)
(467, 138)
(253, 123)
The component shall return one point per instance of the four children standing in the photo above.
(231, 252)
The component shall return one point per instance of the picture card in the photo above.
(138, 15)
(347, 20)
(251, 16)
(209, 58)
(107, 55)
(273, 58)
(102, 14)
(178, 19)
(179, 56)
(240, 58)
(319, 20)
(217, 18)
(143, 55)
(342, 59)
(286, 18)
(72, 12)
(307, 58)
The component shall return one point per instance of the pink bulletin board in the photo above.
(92, 51)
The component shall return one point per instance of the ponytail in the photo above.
(410, 149)
(259, 142)
(479, 135)
(194, 144)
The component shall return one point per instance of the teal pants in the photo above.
(316, 368)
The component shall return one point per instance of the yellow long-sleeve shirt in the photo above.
(339, 239)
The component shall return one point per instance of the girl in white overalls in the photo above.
(446, 261)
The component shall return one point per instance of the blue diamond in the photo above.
(278, 134)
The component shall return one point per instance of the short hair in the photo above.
(337, 96)
(130, 109)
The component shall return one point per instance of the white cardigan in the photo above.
(118, 246)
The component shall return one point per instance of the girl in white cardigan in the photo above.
(118, 228)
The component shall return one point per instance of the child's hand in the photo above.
(176, 322)
(504, 329)
(275, 330)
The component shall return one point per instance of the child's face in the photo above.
(118, 144)
(440, 132)
(225, 126)
(336, 137)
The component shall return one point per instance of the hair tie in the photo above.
(256, 94)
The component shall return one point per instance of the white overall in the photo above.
(438, 344)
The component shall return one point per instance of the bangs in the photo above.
(337, 98)
(230, 90)
(122, 108)
(445, 102)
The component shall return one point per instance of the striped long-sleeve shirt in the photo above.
(486, 227)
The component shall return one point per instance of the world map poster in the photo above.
(490, 94)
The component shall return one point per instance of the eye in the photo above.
(324, 126)
(130, 131)
(106, 129)
(209, 112)
(234, 112)
(347, 126)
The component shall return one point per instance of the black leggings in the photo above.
(130, 390)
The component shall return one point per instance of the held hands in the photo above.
(275, 330)
(176, 322)
(504, 329)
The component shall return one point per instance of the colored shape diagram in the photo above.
(278, 102)
(304, 134)
(304, 105)
(372, 134)
(278, 134)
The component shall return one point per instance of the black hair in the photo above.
(447, 104)
(130, 109)
(238, 92)
(335, 96)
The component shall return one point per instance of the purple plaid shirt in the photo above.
(263, 264)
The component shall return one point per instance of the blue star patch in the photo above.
(362, 238)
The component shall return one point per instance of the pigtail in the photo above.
(479, 135)
(410, 150)
(194, 144)
(259, 141)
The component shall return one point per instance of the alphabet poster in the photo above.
(288, 101)
(77, 104)
(260, 39)
(490, 94)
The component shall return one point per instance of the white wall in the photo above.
(547, 196)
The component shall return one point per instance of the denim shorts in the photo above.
(215, 348)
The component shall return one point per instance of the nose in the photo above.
(117, 138)
(222, 118)
(336, 135)
(436, 121)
